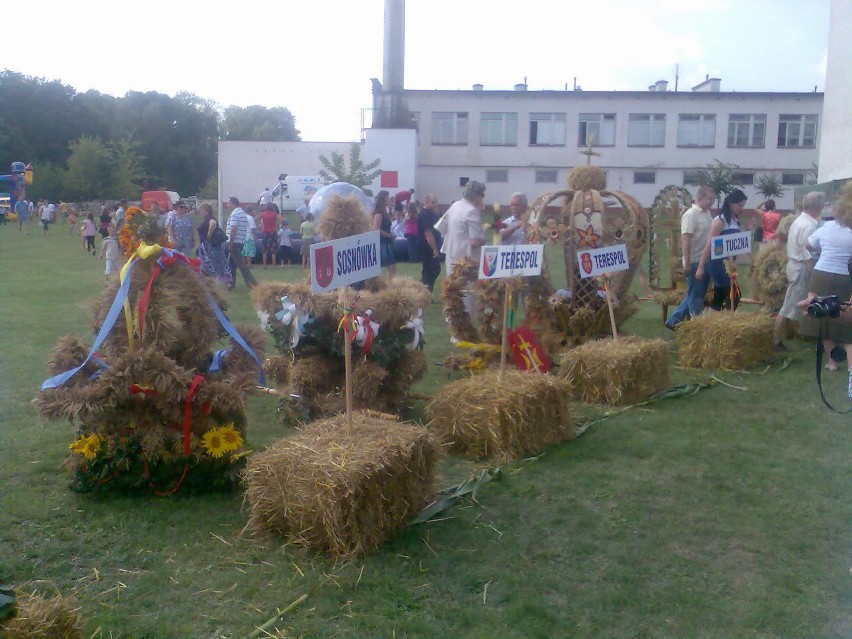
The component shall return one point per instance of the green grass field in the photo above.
(723, 515)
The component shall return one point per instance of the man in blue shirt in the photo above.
(22, 209)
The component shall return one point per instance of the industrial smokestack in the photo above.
(393, 71)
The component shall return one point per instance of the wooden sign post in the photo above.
(337, 264)
(505, 261)
(602, 262)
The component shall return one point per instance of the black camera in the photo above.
(828, 306)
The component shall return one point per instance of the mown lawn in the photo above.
(726, 514)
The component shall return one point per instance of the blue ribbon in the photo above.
(237, 338)
(218, 356)
(106, 327)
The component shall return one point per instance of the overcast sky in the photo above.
(317, 57)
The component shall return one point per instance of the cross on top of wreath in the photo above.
(589, 152)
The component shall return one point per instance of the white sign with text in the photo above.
(345, 261)
(729, 245)
(601, 261)
(511, 260)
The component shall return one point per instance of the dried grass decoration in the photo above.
(623, 371)
(591, 217)
(342, 492)
(158, 399)
(505, 417)
(668, 207)
(387, 350)
(732, 341)
(38, 617)
(769, 275)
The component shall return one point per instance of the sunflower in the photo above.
(88, 447)
(214, 443)
(233, 440)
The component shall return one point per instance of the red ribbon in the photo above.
(369, 333)
(166, 261)
(136, 389)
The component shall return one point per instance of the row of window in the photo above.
(745, 130)
(690, 177)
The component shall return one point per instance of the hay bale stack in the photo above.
(732, 341)
(670, 297)
(37, 617)
(506, 417)
(623, 371)
(344, 493)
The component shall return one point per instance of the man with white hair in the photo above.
(512, 231)
(461, 226)
(798, 263)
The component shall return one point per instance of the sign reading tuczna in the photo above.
(345, 261)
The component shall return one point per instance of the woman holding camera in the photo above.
(831, 276)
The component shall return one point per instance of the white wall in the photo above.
(441, 166)
(245, 168)
(397, 151)
(835, 155)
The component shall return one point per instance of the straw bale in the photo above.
(342, 492)
(505, 417)
(38, 617)
(408, 370)
(769, 274)
(622, 371)
(725, 340)
(584, 177)
(342, 217)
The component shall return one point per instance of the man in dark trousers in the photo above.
(238, 230)
(430, 241)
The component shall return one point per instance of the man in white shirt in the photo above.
(695, 230)
(118, 218)
(798, 263)
(237, 229)
(265, 198)
(512, 231)
(461, 226)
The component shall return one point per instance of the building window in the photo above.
(644, 177)
(547, 129)
(646, 129)
(545, 176)
(691, 178)
(797, 130)
(415, 120)
(746, 130)
(497, 175)
(449, 127)
(696, 129)
(743, 177)
(498, 129)
(597, 129)
(793, 179)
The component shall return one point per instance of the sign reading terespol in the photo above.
(729, 245)
(345, 261)
(511, 261)
(600, 261)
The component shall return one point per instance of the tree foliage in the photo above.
(769, 185)
(720, 177)
(92, 143)
(335, 169)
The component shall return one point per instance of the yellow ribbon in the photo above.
(131, 319)
(492, 348)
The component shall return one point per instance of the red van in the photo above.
(165, 199)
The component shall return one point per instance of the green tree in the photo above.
(719, 176)
(259, 123)
(769, 185)
(335, 169)
(127, 170)
(210, 190)
(88, 174)
(49, 180)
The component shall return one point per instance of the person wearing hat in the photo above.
(179, 229)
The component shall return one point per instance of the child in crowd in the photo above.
(285, 244)
(307, 229)
(109, 252)
(87, 233)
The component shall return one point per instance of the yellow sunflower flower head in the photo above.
(233, 439)
(214, 443)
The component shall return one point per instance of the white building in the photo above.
(835, 159)
(528, 140)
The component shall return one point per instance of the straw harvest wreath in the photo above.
(577, 312)
(158, 398)
(383, 321)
